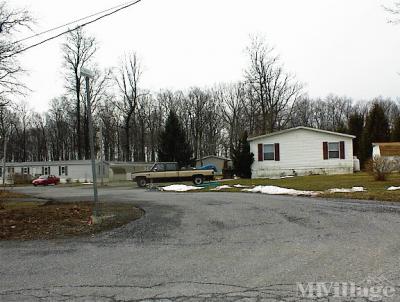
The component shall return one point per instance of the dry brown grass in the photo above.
(9, 194)
(31, 220)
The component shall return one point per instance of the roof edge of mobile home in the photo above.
(299, 128)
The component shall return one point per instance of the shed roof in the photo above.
(300, 128)
(389, 149)
(52, 163)
(214, 156)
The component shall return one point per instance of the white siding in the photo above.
(217, 162)
(301, 151)
(83, 173)
(77, 171)
(376, 151)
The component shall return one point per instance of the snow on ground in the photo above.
(271, 190)
(393, 188)
(274, 190)
(179, 188)
(281, 177)
(221, 188)
(344, 190)
(240, 186)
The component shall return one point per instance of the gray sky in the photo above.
(344, 47)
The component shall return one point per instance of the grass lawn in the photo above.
(376, 190)
(8, 194)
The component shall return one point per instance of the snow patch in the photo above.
(393, 188)
(240, 186)
(274, 190)
(280, 177)
(344, 190)
(179, 188)
(221, 188)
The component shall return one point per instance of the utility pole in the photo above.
(4, 160)
(101, 154)
(88, 75)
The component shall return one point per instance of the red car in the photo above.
(46, 180)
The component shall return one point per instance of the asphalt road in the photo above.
(208, 247)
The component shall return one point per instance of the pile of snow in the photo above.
(343, 190)
(280, 177)
(240, 186)
(221, 188)
(273, 190)
(393, 188)
(179, 188)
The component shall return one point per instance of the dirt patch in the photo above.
(51, 220)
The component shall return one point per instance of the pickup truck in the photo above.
(168, 172)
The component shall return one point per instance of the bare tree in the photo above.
(99, 86)
(38, 138)
(11, 21)
(155, 119)
(195, 106)
(61, 121)
(338, 110)
(394, 10)
(22, 127)
(78, 50)
(233, 100)
(302, 113)
(108, 115)
(168, 100)
(274, 89)
(7, 120)
(127, 79)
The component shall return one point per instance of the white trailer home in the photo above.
(71, 170)
(301, 151)
(390, 151)
(218, 161)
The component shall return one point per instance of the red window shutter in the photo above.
(260, 152)
(325, 149)
(277, 153)
(342, 151)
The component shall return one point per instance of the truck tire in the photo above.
(141, 182)
(198, 179)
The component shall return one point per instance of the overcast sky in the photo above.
(345, 47)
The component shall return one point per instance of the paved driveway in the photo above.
(208, 247)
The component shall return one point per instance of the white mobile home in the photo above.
(388, 150)
(121, 171)
(301, 151)
(218, 161)
(72, 170)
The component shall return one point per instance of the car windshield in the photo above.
(43, 177)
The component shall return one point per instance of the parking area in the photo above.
(206, 247)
